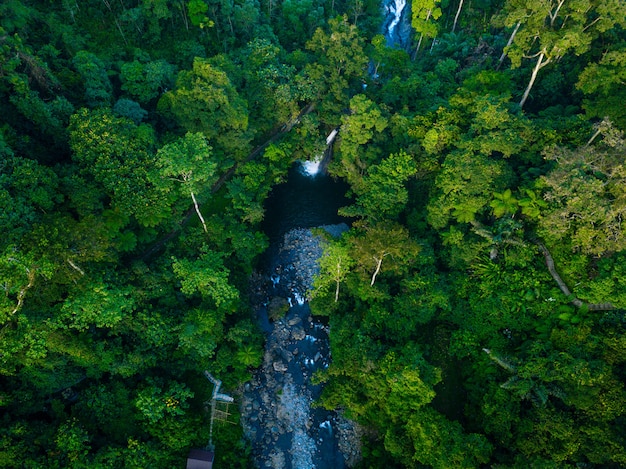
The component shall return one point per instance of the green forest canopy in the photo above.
(485, 268)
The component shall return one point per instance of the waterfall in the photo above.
(397, 22)
(396, 9)
(314, 166)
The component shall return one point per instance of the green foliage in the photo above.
(424, 15)
(145, 81)
(207, 276)
(117, 118)
(93, 73)
(464, 188)
(335, 264)
(118, 154)
(585, 197)
(504, 204)
(130, 109)
(155, 403)
(357, 130)
(382, 194)
(602, 80)
(184, 168)
(340, 62)
(206, 101)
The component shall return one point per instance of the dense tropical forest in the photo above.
(476, 305)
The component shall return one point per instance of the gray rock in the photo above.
(294, 321)
(279, 366)
(297, 333)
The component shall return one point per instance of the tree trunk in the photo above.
(183, 12)
(563, 286)
(419, 43)
(553, 15)
(338, 280)
(540, 63)
(22, 293)
(509, 42)
(456, 17)
(195, 204)
(379, 263)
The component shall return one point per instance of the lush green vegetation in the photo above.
(480, 165)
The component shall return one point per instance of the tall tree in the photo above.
(340, 63)
(388, 243)
(553, 29)
(206, 101)
(586, 197)
(118, 154)
(335, 264)
(602, 83)
(187, 162)
(424, 15)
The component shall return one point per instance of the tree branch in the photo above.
(563, 286)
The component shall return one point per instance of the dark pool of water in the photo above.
(303, 202)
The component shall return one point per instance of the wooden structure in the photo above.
(203, 458)
(219, 413)
(200, 459)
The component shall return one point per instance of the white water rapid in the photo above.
(396, 8)
(312, 167)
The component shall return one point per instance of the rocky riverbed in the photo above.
(285, 430)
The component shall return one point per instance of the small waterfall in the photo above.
(396, 9)
(397, 22)
(313, 167)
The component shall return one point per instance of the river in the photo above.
(286, 432)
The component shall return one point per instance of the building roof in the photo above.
(200, 459)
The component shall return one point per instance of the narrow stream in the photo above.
(285, 431)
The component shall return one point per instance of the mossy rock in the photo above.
(277, 308)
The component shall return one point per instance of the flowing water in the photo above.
(396, 26)
(285, 431)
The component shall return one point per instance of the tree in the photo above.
(208, 276)
(358, 128)
(271, 88)
(424, 15)
(380, 242)
(335, 264)
(552, 30)
(585, 196)
(187, 161)
(297, 22)
(98, 305)
(464, 187)
(117, 153)
(98, 90)
(504, 204)
(341, 61)
(441, 443)
(602, 81)
(206, 101)
(382, 193)
(145, 81)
